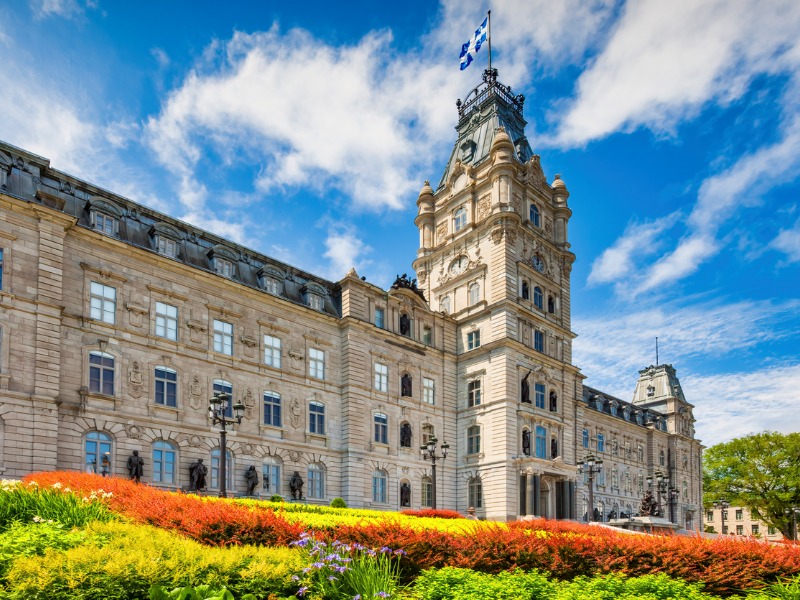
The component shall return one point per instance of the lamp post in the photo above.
(590, 465)
(216, 412)
(673, 499)
(429, 453)
(661, 485)
(723, 506)
(792, 513)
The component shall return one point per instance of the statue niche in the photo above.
(405, 436)
(525, 389)
(405, 385)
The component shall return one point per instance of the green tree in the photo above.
(759, 471)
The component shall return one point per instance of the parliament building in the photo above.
(119, 323)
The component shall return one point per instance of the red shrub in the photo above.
(434, 512)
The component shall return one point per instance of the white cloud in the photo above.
(68, 9)
(345, 250)
(735, 403)
(637, 242)
(788, 242)
(316, 115)
(665, 60)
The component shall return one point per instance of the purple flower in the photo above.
(385, 549)
(302, 591)
(382, 594)
(340, 569)
(318, 565)
(331, 578)
(295, 578)
(357, 597)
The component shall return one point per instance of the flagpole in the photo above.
(489, 39)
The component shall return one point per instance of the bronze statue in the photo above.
(649, 507)
(405, 325)
(296, 486)
(405, 436)
(553, 401)
(553, 448)
(197, 475)
(251, 477)
(525, 391)
(135, 467)
(526, 442)
(405, 494)
(405, 385)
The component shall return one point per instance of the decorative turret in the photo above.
(658, 388)
(502, 148)
(425, 218)
(560, 192)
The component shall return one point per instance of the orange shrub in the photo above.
(434, 512)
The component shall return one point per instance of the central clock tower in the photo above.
(494, 256)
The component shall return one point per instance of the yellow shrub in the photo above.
(122, 561)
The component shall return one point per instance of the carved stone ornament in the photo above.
(422, 277)
(136, 380)
(249, 402)
(197, 330)
(484, 207)
(497, 235)
(297, 358)
(195, 393)
(441, 233)
(511, 236)
(247, 449)
(535, 174)
(133, 432)
(195, 441)
(294, 456)
(548, 225)
(296, 418)
(135, 314)
(250, 344)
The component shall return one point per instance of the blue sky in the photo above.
(306, 132)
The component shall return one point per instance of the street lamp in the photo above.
(661, 485)
(429, 453)
(216, 412)
(723, 506)
(673, 499)
(590, 465)
(792, 513)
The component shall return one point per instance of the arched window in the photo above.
(221, 386)
(101, 373)
(534, 214)
(166, 384)
(475, 499)
(685, 490)
(426, 485)
(229, 469)
(474, 439)
(164, 454)
(526, 293)
(537, 297)
(272, 409)
(97, 452)
(459, 219)
(379, 482)
(474, 294)
(271, 476)
(316, 481)
(444, 305)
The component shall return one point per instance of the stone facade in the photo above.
(119, 323)
(739, 521)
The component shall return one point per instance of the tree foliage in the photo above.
(760, 472)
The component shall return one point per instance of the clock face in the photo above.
(459, 265)
(537, 263)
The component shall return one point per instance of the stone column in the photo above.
(537, 493)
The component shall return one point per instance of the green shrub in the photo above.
(33, 539)
(788, 589)
(276, 498)
(645, 587)
(338, 503)
(201, 592)
(122, 561)
(21, 502)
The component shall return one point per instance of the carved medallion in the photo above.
(195, 441)
(135, 379)
(296, 418)
(133, 432)
(195, 393)
(294, 456)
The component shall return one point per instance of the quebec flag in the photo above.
(469, 49)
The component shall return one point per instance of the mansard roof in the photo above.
(29, 177)
(486, 108)
(625, 411)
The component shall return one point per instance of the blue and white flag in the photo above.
(469, 49)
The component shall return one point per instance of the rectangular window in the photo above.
(739, 514)
(381, 429)
(601, 442)
(740, 530)
(166, 321)
(166, 381)
(101, 373)
(167, 247)
(473, 340)
(103, 301)
(474, 440)
(710, 515)
(539, 395)
(316, 420)
(104, 223)
(271, 478)
(223, 267)
(538, 341)
(474, 393)
(272, 409)
(585, 438)
(379, 488)
(381, 377)
(379, 318)
(316, 363)
(428, 391)
(541, 442)
(427, 493)
(427, 336)
(223, 337)
(754, 529)
(427, 433)
(272, 286)
(770, 531)
(163, 463)
(316, 482)
(272, 351)
(223, 387)
(316, 302)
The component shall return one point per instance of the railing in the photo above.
(490, 87)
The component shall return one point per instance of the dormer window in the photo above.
(223, 267)
(167, 247)
(104, 215)
(467, 151)
(315, 301)
(314, 296)
(105, 223)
